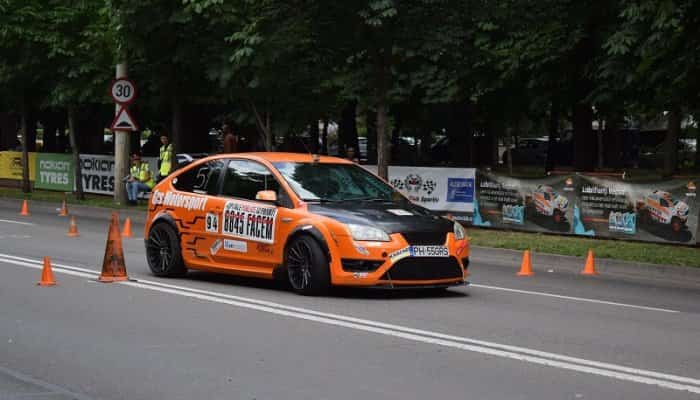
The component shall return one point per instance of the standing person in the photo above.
(140, 179)
(166, 156)
(230, 140)
(350, 155)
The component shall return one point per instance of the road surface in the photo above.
(206, 336)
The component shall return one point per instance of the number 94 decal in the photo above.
(212, 223)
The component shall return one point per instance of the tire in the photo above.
(307, 266)
(163, 251)
(676, 224)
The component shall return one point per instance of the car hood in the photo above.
(395, 217)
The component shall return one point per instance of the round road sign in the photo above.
(123, 91)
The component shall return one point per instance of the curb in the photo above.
(546, 263)
(45, 207)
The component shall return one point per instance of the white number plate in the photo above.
(429, 251)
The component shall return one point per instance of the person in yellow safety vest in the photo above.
(166, 156)
(140, 179)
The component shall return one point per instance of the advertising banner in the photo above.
(98, 172)
(589, 206)
(439, 189)
(54, 172)
(11, 165)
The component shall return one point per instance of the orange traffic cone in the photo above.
(113, 267)
(64, 208)
(46, 274)
(127, 228)
(526, 266)
(589, 268)
(73, 228)
(25, 209)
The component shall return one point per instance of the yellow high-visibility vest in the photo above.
(143, 173)
(166, 153)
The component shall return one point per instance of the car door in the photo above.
(250, 228)
(198, 229)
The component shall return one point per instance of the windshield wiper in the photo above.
(323, 200)
(372, 199)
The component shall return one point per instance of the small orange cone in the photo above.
(25, 209)
(64, 208)
(127, 228)
(526, 266)
(73, 228)
(46, 274)
(589, 268)
(113, 267)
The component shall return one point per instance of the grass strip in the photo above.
(577, 246)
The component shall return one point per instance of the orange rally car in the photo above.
(318, 221)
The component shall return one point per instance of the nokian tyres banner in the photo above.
(54, 172)
(98, 172)
(589, 206)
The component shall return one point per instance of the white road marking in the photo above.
(10, 221)
(583, 299)
(615, 371)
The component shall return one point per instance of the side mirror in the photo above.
(266, 195)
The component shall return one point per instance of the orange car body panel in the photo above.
(208, 249)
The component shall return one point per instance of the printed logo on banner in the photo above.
(460, 190)
(513, 214)
(622, 222)
(414, 183)
(249, 221)
(212, 222)
(54, 172)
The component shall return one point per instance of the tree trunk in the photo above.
(324, 138)
(8, 131)
(509, 154)
(314, 134)
(371, 118)
(383, 150)
(176, 125)
(76, 154)
(584, 142)
(26, 186)
(671, 143)
(550, 163)
(347, 130)
(601, 148)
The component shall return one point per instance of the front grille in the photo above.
(350, 265)
(425, 238)
(424, 268)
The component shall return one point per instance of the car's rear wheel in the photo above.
(307, 266)
(163, 251)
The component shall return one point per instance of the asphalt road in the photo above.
(552, 336)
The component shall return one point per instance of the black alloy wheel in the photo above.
(307, 266)
(163, 251)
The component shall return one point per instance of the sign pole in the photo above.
(122, 146)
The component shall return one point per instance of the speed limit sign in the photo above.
(123, 91)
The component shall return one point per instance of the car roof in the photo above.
(274, 157)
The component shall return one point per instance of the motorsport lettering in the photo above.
(171, 199)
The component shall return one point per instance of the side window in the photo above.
(244, 179)
(203, 179)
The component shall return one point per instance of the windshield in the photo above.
(335, 182)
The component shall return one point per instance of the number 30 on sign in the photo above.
(123, 91)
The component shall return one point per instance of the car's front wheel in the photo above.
(307, 266)
(163, 251)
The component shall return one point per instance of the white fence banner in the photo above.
(98, 172)
(438, 189)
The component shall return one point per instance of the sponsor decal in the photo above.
(212, 222)
(359, 275)
(400, 212)
(215, 247)
(514, 214)
(264, 248)
(362, 250)
(400, 254)
(460, 190)
(179, 200)
(235, 245)
(249, 221)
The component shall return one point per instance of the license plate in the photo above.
(429, 251)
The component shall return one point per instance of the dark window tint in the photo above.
(202, 179)
(244, 179)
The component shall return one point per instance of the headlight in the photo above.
(368, 233)
(459, 231)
